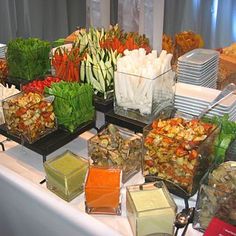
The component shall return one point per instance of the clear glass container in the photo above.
(150, 209)
(78, 108)
(117, 147)
(100, 77)
(217, 196)
(29, 116)
(141, 98)
(28, 58)
(65, 175)
(102, 191)
(179, 152)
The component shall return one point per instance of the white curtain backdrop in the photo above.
(215, 20)
(46, 19)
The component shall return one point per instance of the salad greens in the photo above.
(28, 58)
(226, 136)
(73, 103)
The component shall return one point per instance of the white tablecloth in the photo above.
(28, 208)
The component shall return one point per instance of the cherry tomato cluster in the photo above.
(37, 86)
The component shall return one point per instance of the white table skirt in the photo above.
(30, 209)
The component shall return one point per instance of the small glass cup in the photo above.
(102, 191)
(65, 175)
(150, 209)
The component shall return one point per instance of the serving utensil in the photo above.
(181, 220)
(190, 216)
(228, 90)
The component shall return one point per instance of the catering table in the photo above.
(29, 208)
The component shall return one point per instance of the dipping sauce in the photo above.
(66, 174)
(150, 209)
(102, 190)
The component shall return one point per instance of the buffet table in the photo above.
(29, 208)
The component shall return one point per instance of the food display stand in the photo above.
(50, 142)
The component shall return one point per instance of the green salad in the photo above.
(73, 103)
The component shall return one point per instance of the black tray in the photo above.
(102, 105)
(52, 141)
(134, 125)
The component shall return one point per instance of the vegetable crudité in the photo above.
(73, 103)
(226, 136)
(67, 63)
(114, 146)
(38, 86)
(29, 115)
(172, 149)
(28, 58)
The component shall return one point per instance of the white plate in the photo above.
(194, 67)
(214, 110)
(201, 104)
(205, 83)
(202, 93)
(199, 56)
(192, 103)
(202, 77)
(181, 70)
(196, 113)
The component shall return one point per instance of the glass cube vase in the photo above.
(141, 98)
(150, 209)
(102, 191)
(117, 147)
(65, 175)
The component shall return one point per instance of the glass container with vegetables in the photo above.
(29, 116)
(102, 190)
(65, 175)
(66, 62)
(144, 85)
(179, 151)
(73, 104)
(117, 147)
(217, 196)
(28, 58)
(97, 69)
(6, 92)
(226, 136)
(150, 209)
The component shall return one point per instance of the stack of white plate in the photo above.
(3, 50)
(192, 99)
(199, 67)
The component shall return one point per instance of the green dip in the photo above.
(68, 163)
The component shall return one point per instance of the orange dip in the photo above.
(102, 189)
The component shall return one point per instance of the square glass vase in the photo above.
(117, 147)
(102, 191)
(29, 116)
(28, 65)
(216, 196)
(78, 109)
(65, 175)
(150, 209)
(140, 98)
(177, 160)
